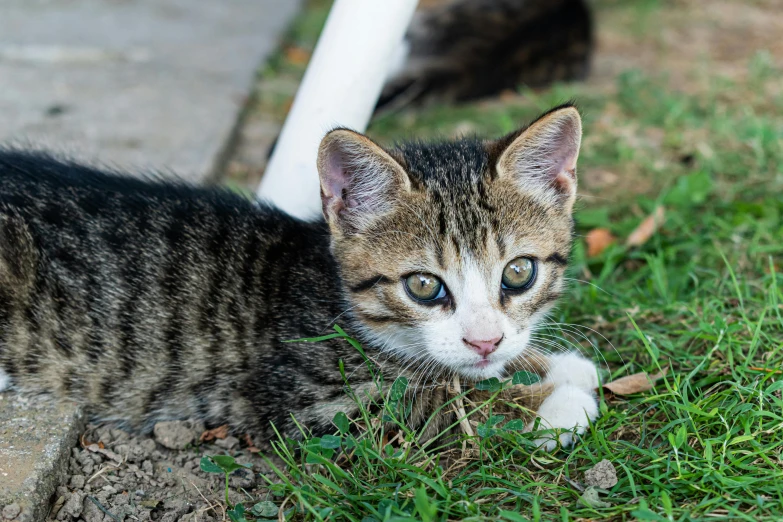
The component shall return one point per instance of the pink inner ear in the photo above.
(562, 153)
(564, 173)
(553, 165)
(564, 181)
(335, 183)
(358, 179)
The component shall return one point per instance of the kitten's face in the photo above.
(452, 253)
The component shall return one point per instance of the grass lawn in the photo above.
(704, 297)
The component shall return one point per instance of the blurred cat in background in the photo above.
(458, 50)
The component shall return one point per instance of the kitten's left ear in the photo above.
(359, 180)
(542, 158)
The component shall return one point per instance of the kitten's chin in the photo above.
(481, 372)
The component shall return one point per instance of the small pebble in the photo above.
(103, 435)
(119, 435)
(77, 481)
(174, 434)
(11, 511)
(602, 475)
(227, 443)
(72, 507)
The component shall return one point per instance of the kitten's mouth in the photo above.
(482, 369)
(485, 367)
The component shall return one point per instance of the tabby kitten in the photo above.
(153, 300)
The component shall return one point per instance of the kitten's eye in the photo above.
(424, 287)
(519, 274)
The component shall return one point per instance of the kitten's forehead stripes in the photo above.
(454, 176)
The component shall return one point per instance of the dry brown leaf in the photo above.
(389, 437)
(297, 55)
(636, 383)
(86, 443)
(221, 432)
(598, 240)
(646, 228)
(249, 442)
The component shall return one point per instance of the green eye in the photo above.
(424, 287)
(519, 274)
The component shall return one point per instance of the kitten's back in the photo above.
(150, 299)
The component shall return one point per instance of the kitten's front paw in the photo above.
(570, 409)
(571, 368)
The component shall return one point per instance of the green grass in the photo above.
(704, 296)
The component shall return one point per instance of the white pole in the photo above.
(340, 88)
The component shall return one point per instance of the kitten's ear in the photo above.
(542, 158)
(359, 180)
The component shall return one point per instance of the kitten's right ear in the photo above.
(542, 157)
(359, 180)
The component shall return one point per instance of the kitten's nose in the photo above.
(484, 348)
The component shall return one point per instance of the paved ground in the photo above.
(36, 437)
(133, 82)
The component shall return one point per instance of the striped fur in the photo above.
(149, 300)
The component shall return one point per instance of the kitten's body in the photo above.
(155, 300)
(158, 300)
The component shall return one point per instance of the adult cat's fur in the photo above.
(152, 300)
(457, 50)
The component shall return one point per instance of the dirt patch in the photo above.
(683, 39)
(117, 476)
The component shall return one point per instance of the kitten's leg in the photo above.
(572, 404)
(571, 368)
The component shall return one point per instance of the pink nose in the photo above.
(484, 348)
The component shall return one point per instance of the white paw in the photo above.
(5, 380)
(573, 369)
(569, 409)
